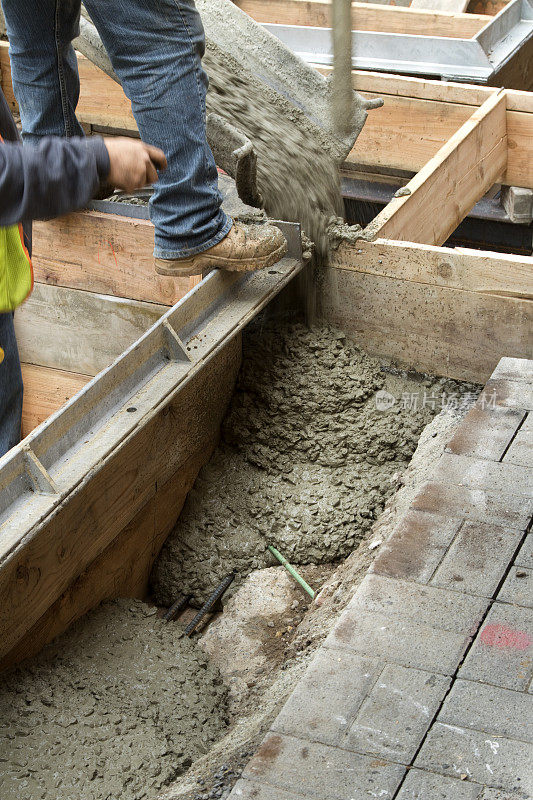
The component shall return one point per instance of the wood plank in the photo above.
(486, 6)
(104, 253)
(452, 6)
(54, 553)
(469, 270)
(423, 136)
(447, 187)
(368, 17)
(79, 331)
(380, 83)
(406, 132)
(123, 568)
(436, 329)
(45, 391)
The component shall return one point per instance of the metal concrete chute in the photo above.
(295, 87)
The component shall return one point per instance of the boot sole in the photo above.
(197, 264)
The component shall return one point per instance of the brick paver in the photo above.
(464, 502)
(327, 699)
(253, 790)
(499, 712)
(422, 785)
(477, 558)
(521, 450)
(416, 546)
(486, 432)
(510, 393)
(518, 587)
(490, 476)
(423, 689)
(394, 717)
(498, 762)
(502, 653)
(285, 762)
(525, 554)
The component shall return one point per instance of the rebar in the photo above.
(209, 603)
(176, 607)
(290, 569)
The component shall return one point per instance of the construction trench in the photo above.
(321, 444)
(123, 704)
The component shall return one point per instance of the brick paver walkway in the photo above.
(423, 690)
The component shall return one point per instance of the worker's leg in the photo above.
(43, 64)
(10, 386)
(156, 48)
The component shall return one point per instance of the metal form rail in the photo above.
(479, 59)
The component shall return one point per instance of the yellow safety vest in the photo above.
(16, 271)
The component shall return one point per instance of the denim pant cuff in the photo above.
(186, 252)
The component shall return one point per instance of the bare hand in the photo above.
(133, 163)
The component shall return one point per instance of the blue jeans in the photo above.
(156, 47)
(10, 386)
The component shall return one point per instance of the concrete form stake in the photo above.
(290, 569)
(342, 95)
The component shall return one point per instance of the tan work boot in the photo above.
(245, 248)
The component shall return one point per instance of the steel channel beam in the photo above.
(477, 59)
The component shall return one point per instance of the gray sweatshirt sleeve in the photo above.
(50, 178)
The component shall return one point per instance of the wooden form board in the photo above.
(104, 253)
(442, 193)
(139, 487)
(45, 391)
(450, 312)
(77, 331)
(123, 568)
(419, 116)
(443, 311)
(368, 17)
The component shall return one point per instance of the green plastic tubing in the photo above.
(291, 570)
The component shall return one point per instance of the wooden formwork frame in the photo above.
(448, 311)
(450, 45)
